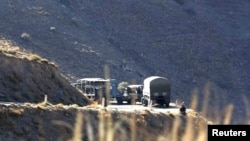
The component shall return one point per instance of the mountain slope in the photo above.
(28, 78)
(200, 46)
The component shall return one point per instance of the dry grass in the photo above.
(34, 57)
(9, 48)
(108, 129)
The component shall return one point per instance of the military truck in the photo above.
(156, 90)
(129, 93)
(97, 88)
(135, 92)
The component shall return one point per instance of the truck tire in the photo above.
(129, 101)
(144, 102)
(119, 101)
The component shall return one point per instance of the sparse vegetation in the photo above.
(93, 123)
(25, 36)
(8, 48)
(35, 57)
(122, 85)
(191, 42)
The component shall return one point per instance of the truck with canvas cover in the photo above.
(156, 90)
(97, 88)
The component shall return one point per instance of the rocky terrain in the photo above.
(201, 46)
(38, 103)
(30, 78)
(62, 122)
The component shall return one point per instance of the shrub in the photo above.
(25, 36)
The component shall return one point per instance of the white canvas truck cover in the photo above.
(156, 86)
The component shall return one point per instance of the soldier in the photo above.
(183, 109)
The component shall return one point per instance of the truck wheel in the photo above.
(119, 101)
(129, 101)
(145, 102)
(142, 100)
(167, 105)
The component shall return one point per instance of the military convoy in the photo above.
(153, 90)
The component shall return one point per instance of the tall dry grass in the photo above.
(9, 48)
(193, 129)
(114, 130)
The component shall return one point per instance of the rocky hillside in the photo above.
(30, 78)
(60, 123)
(65, 114)
(201, 46)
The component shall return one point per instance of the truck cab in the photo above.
(131, 94)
